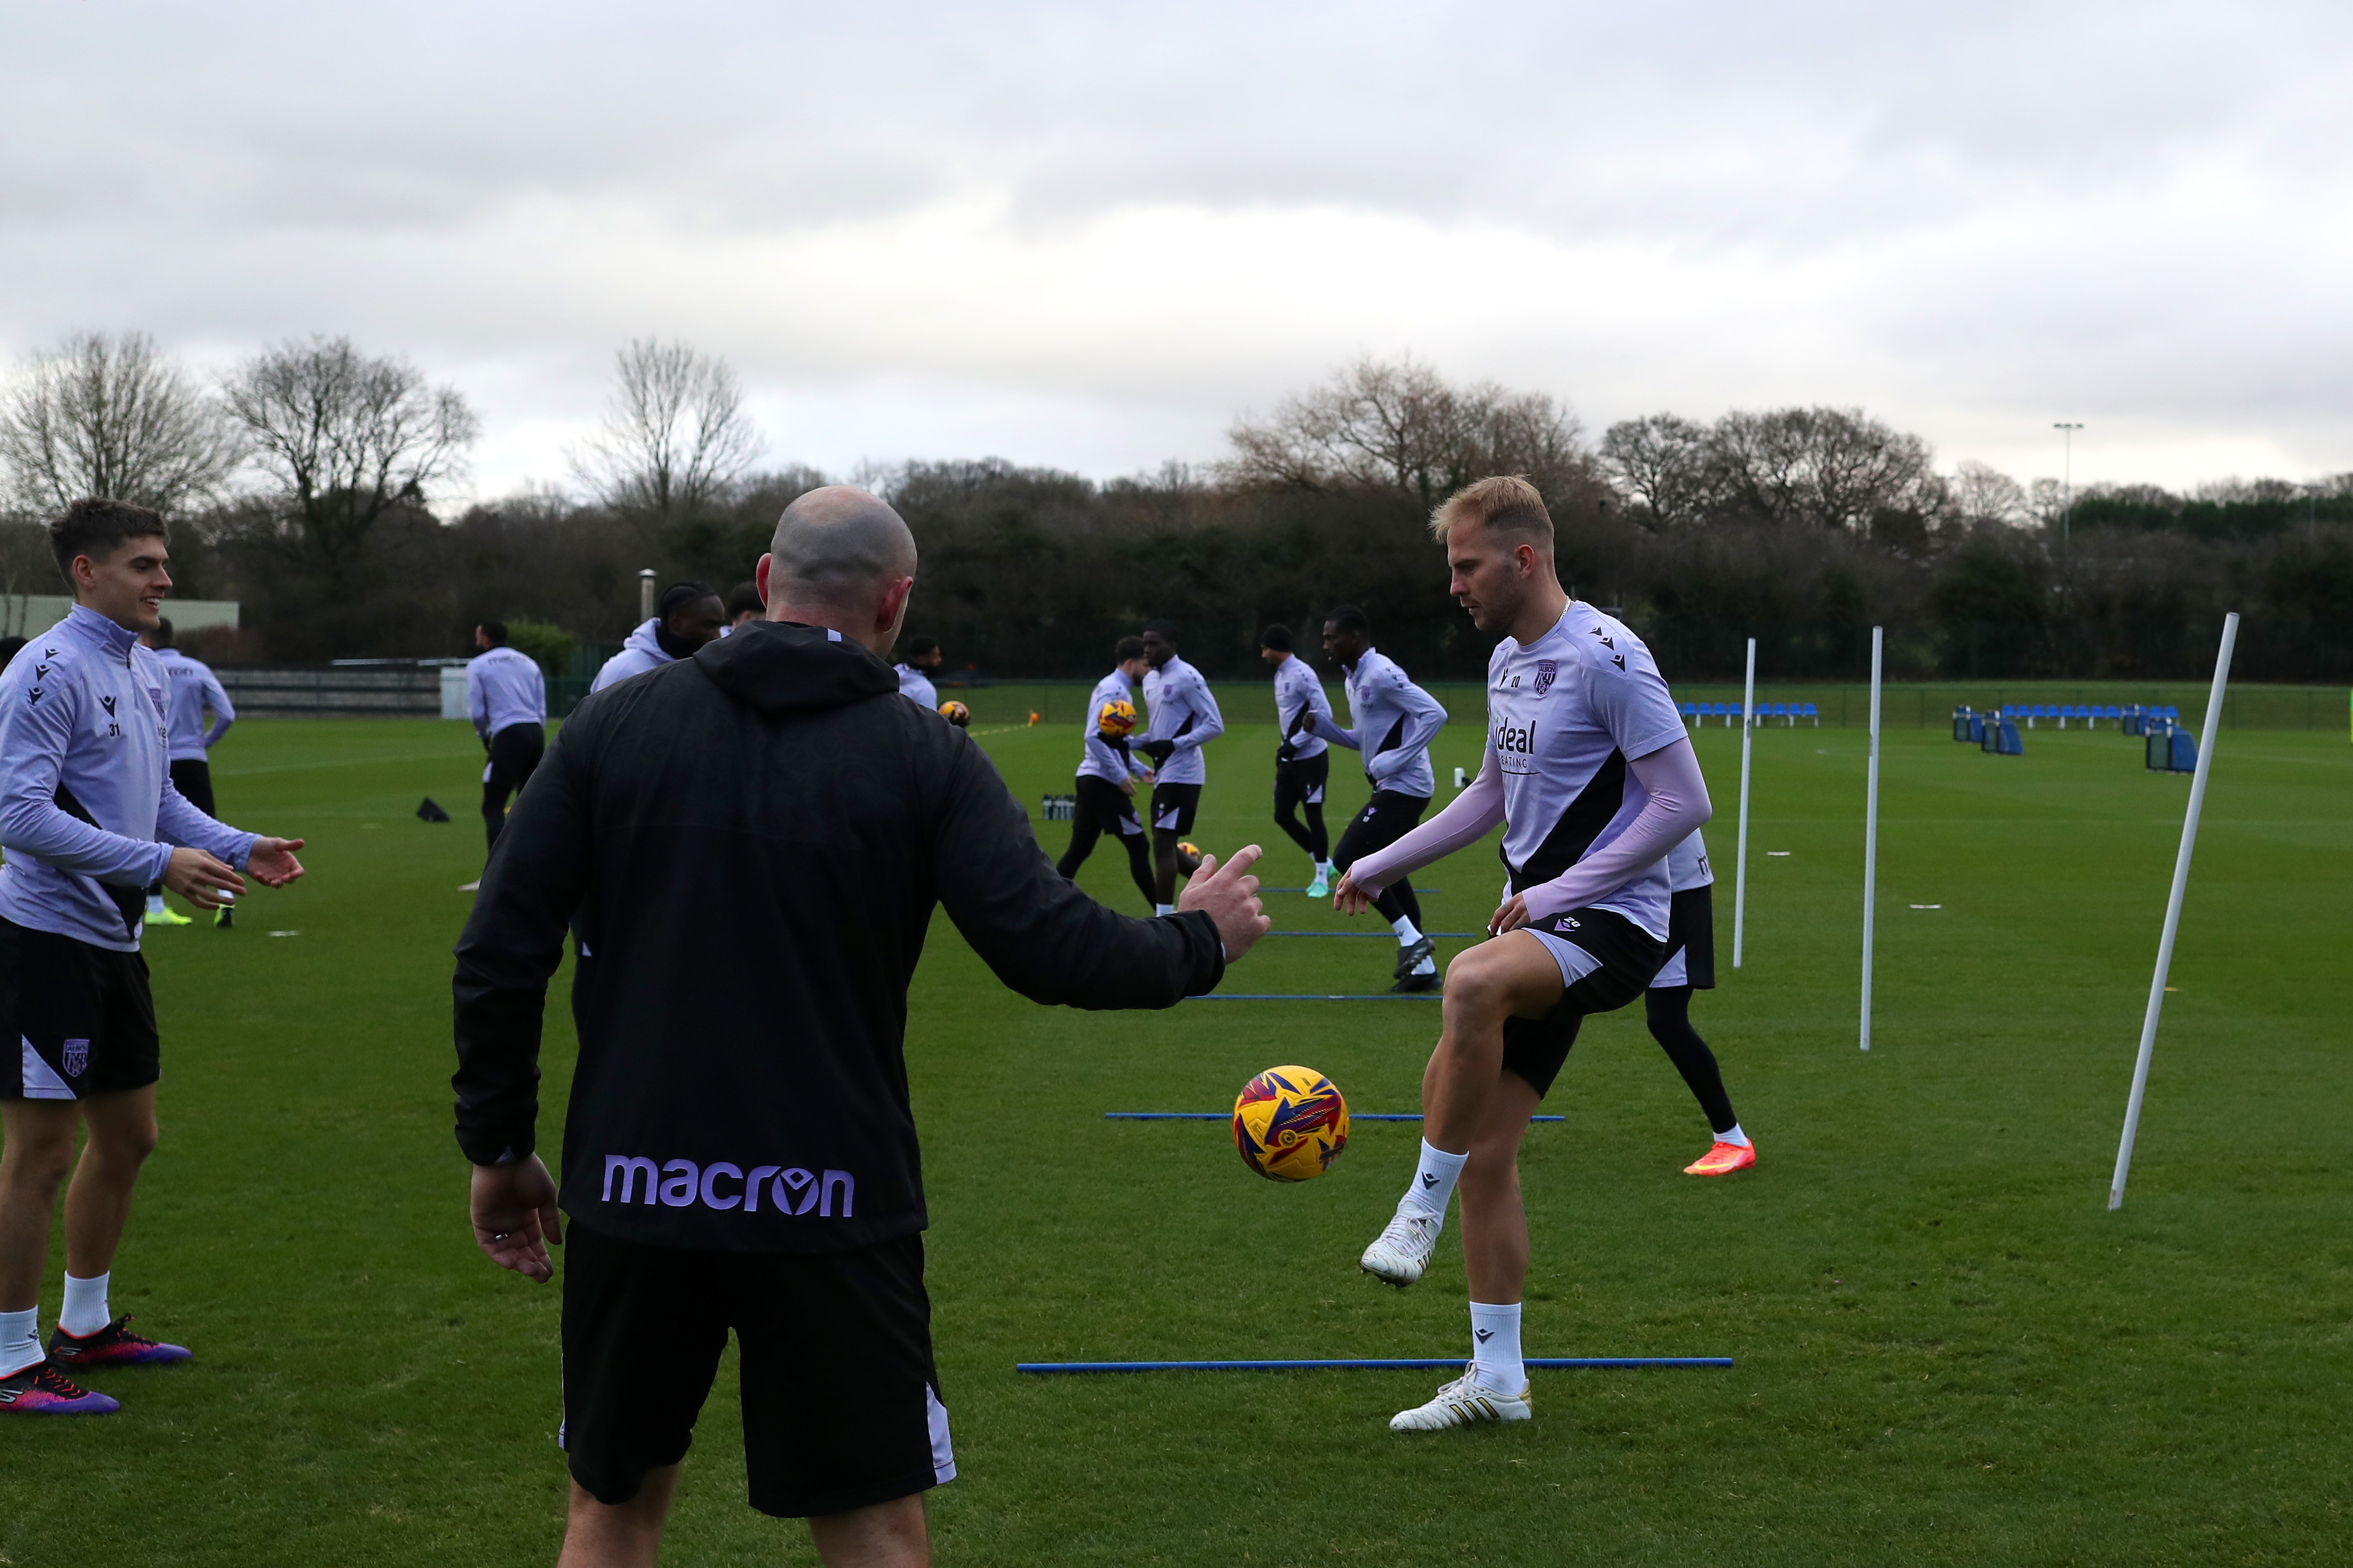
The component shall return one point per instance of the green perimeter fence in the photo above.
(1913, 706)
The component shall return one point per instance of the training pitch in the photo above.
(1946, 1350)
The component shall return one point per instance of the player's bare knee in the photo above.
(38, 1164)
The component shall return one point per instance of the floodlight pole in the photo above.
(646, 595)
(2066, 480)
(1740, 864)
(2173, 909)
(1871, 836)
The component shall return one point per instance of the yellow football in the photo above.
(1289, 1124)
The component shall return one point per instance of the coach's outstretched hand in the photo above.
(1228, 894)
(515, 1217)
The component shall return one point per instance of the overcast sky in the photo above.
(1087, 236)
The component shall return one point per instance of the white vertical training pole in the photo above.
(1740, 865)
(2173, 908)
(1870, 838)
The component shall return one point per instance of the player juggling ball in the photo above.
(1590, 775)
(89, 817)
(1110, 771)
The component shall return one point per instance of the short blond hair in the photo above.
(1505, 502)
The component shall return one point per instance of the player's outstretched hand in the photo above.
(1511, 917)
(1351, 896)
(272, 861)
(200, 878)
(1228, 894)
(515, 1217)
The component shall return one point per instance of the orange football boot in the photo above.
(1722, 1160)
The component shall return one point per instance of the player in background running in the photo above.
(1691, 966)
(506, 696)
(1109, 772)
(1395, 723)
(688, 616)
(194, 688)
(1590, 773)
(1184, 717)
(1303, 762)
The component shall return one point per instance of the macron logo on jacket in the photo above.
(681, 1184)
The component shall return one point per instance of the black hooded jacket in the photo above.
(752, 842)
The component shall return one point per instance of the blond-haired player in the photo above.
(1592, 777)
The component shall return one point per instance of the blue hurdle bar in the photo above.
(1390, 935)
(1553, 1363)
(1228, 1116)
(1303, 996)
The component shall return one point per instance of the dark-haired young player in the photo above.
(1303, 762)
(1396, 721)
(1691, 966)
(688, 616)
(1184, 717)
(89, 817)
(1109, 771)
(1590, 773)
(744, 604)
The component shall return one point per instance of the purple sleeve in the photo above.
(1677, 808)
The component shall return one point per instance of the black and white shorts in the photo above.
(1300, 781)
(1606, 961)
(842, 1404)
(1174, 806)
(83, 1018)
(1113, 807)
(1691, 941)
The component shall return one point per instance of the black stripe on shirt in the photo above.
(1578, 825)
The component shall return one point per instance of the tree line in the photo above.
(303, 483)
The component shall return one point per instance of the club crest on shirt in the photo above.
(77, 1054)
(1547, 670)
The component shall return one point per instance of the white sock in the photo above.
(20, 1341)
(1433, 1181)
(1495, 1348)
(1164, 909)
(1427, 966)
(155, 905)
(1734, 1136)
(1407, 934)
(1325, 869)
(85, 1309)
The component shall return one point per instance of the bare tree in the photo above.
(1984, 495)
(348, 438)
(111, 416)
(1377, 425)
(1834, 468)
(1661, 461)
(675, 438)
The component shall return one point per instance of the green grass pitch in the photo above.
(1947, 1351)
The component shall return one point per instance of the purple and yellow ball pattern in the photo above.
(1289, 1124)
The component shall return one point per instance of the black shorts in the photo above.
(841, 1406)
(1300, 781)
(192, 777)
(1536, 1047)
(83, 1018)
(1174, 806)
(1691, 939)
(1112, 808)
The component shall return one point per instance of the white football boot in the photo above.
(1463, 1402)
(1401, 1252)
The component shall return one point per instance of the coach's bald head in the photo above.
(840, 558)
